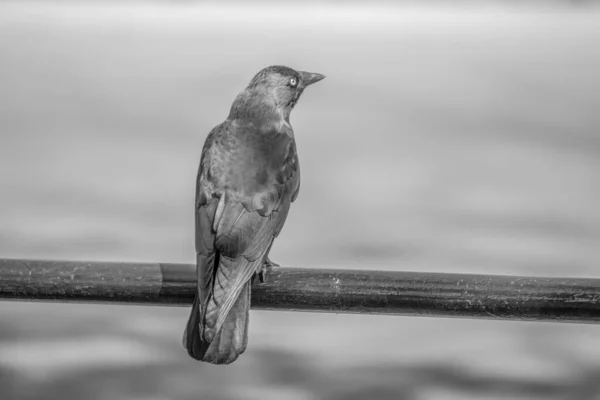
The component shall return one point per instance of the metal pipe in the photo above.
(318, 290)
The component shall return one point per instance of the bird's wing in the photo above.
(205, 209)
(247, 179)
(297, 188)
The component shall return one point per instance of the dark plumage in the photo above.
(248, 177)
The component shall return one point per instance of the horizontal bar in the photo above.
(303, 289)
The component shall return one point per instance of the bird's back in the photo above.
(256, 164)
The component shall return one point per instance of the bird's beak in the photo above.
(308, 78)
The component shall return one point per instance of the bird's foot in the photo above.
(267, 264)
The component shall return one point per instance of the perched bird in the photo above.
(248, 177)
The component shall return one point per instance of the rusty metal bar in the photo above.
(323, 290)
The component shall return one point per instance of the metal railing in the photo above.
(320, 290)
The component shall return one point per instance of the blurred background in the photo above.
(454, 136)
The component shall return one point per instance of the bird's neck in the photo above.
(258, 106)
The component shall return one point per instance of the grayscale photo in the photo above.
(337, 200)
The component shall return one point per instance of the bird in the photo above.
(247, 179)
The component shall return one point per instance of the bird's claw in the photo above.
(267, 264)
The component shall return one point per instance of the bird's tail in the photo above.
(229, 342)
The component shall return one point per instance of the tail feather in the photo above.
(229, 342)
(191, 337)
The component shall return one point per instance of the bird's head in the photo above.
(275, 87)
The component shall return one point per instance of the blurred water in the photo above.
(444, 139)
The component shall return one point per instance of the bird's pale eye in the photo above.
(293, 82)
